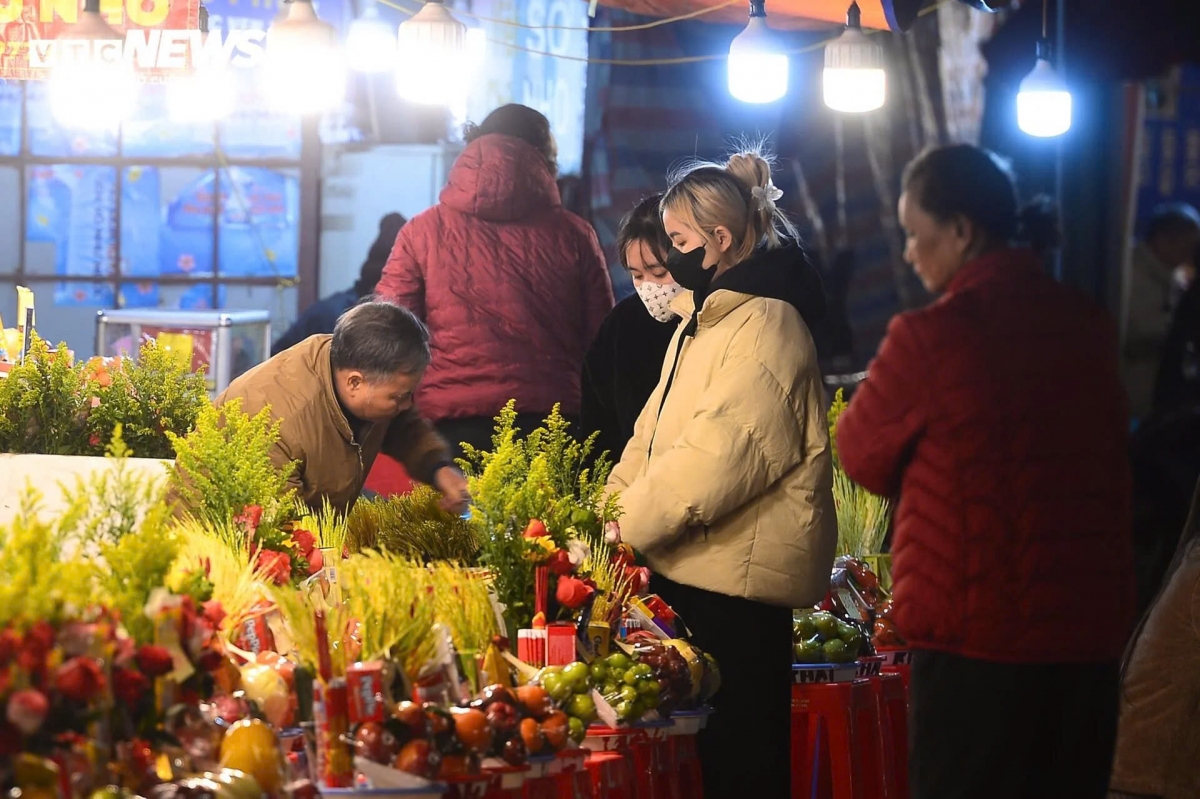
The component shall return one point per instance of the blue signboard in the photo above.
(10, 118)
(73, 207)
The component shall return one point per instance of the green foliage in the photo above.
(51, 407)
(412, 526)
(862, 517)
(542, 476)
(44, 404)
(224, 466)
(156, 395)
(109, 504)
(836, 409)
(119, 523)
(37, 581)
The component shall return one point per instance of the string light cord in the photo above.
(654, 62)
(644, 26)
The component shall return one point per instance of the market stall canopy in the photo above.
(784, 14)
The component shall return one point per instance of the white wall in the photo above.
(360, 186)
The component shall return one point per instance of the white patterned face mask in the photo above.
(657, 299)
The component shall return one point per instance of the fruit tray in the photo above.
(608, 739)
(689, 722)
(433, 791)
(806, 673)
(543, 766)
(508, 778)
(870, 666)
(896, 657)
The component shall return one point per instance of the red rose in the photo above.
(639, 579)
(536, 529)
(214, 612)
(27, 710)
(79, 679)
(316, 561)
(200, 636)
(249, 518)
(572, 592)
(154, 661)
(304, 541)
(129, 686)
(275, 565)
(36, 645)
(43, 634)
(209, 660)
(10, 644)
(560, 562)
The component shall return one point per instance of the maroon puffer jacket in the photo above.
(998, 415)
(512, 286)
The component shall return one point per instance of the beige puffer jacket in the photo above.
(729, 488)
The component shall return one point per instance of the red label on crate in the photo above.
(364, 682)
(335, 767)
(255, 635)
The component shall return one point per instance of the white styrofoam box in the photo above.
(50, 474)
(360, 186)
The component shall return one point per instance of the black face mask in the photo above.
(688, 269)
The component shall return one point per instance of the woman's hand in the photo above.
(612, 533)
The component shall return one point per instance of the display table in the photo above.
(46, 474)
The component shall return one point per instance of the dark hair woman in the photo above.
(998, 416)
(625, 360)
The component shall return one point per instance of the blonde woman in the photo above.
(726, 484)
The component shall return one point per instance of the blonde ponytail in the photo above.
(737, 195)
(767, 222)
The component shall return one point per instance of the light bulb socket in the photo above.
(1045, 50)
(758, 8)
(854, 50)
(434, 24)
(854, 17)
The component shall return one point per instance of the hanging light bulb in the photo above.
(305, 71)
(432, 68)
(206, 93)
(370, 42)
(98, 90)
(758, 67)
(1044, 101)
(854, 79)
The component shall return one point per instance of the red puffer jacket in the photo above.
(997, 413)
(512, 286)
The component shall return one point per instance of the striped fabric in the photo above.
(643, 120)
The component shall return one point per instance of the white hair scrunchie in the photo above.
(766, 196)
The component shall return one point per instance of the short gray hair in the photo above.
(380, 339)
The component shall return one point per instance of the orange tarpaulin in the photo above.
(784, 14)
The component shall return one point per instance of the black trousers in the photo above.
(984, 730)
(744, 752)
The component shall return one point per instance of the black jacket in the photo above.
(620, 371)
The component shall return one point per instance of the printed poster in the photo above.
(73, 207)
